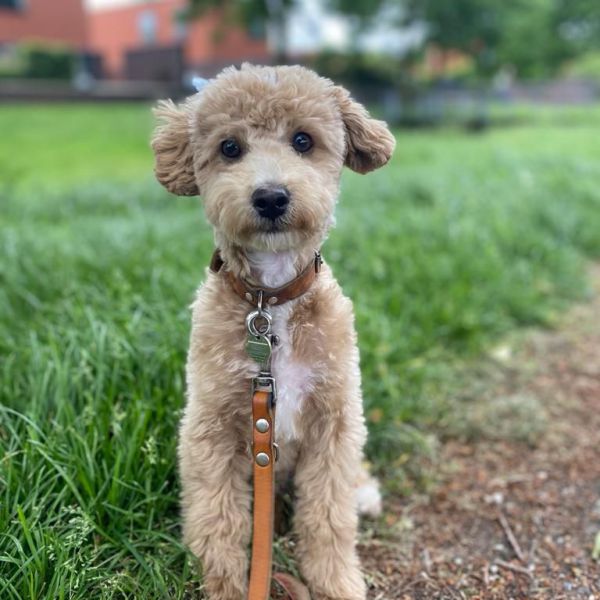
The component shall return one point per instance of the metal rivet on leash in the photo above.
(272, 300)
(262, 459)
(262, 425)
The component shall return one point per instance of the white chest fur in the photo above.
(293, 377)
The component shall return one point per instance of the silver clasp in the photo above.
(259, 321)
(259, 341)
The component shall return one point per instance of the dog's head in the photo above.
(265, 147)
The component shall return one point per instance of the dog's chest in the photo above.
(292, 376)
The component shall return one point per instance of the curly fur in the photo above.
(320, 427)
(171, 145)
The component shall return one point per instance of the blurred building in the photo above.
(45, 21)
(153, 40)
(150, 40)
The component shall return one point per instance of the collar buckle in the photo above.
(318, 261)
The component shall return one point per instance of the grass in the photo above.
(462, 239)
(63, 144)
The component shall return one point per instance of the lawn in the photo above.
(463, 238)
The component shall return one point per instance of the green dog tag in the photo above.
(259, 350)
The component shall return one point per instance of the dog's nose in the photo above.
(271, 202)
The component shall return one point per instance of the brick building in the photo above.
(147, 36)
(131, 39)
(48, 21)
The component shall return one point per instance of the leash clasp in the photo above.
(265, 382)
(260, 340)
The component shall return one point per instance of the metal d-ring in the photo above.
(259, 313)
(251, 323)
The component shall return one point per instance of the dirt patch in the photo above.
(516, 512)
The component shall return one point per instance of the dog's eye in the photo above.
(302, 142)
(230, 148)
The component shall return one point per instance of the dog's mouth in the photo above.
(269, 226)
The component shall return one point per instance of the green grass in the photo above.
(463, 238)
(64, 144)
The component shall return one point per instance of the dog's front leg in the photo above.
(326, 517)
(216, 504)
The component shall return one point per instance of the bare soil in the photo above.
(511, 515)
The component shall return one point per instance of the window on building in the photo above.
(12, 4)
(148, 27)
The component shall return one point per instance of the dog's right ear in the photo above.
(174, 166)
(369, 143)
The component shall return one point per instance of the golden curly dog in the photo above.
(265, 147)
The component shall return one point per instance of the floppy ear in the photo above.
(369, 143)
(174, 166)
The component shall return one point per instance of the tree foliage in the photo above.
(535, 37)
(359, 8)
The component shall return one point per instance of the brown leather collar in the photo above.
(270, 296)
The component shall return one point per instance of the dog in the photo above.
(265, 148)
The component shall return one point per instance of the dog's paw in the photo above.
(318, 596)
(223, 588)
(349, 585)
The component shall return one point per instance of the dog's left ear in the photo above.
(369, 143)
(174, 160)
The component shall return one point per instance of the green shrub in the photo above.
(47, 62)
(37, 61)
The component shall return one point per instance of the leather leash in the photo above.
(264, 454)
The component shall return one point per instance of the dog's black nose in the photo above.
(270, 202)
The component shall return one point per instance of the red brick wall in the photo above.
(45, 20)
(114, 31)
